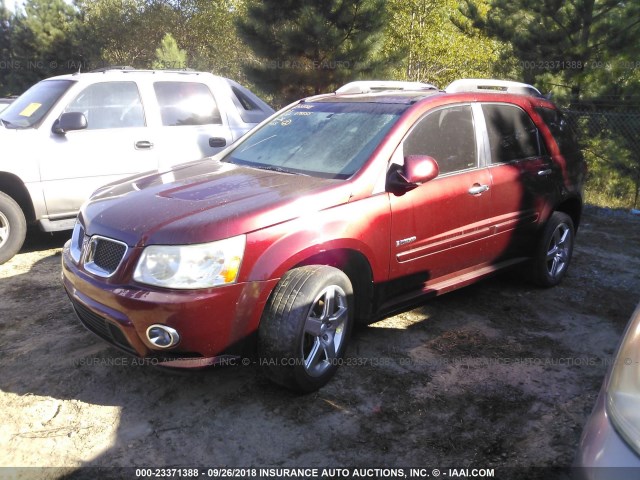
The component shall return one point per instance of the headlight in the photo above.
(191, 266)
(623, 389)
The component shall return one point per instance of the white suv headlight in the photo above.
(191, 266)
(623, 389)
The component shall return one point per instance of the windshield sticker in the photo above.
(30, 109)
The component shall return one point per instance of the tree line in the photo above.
(583, 51)
(291, 48)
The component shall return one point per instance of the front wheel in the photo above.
(13, 228)
(305, 327)
(554, 250)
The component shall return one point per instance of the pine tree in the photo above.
(5, 48)
(560, 40)
(43, 43)
(307, 47)
(169, 55)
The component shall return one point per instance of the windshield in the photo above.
(34, 104)
(323, 139)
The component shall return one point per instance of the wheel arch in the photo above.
(14, 187)
(355, 266)
(573, 208)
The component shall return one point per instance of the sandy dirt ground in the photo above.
(500, 374)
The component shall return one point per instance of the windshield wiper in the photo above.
(273, 169)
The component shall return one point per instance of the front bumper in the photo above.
(213, 324)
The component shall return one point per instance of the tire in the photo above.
(553, 251)
(13, 228)
(302, 337)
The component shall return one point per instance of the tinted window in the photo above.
(331, 140)
(34, 104)
(110, 105)
(186, 103)
(561, 130)
(448, 136)
(512, 134)
(248, 110)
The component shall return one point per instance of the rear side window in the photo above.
(448, 135)
(186, 103)
(512, 133)
(562, 132)
(110, 105)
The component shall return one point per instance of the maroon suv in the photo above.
(340, 208)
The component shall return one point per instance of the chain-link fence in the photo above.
(611, 141)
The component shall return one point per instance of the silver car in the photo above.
(610, 445)
(68, 135)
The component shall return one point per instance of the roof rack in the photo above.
(372, 86)
(493, 86)
(111, 67)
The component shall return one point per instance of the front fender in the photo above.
(362, 226)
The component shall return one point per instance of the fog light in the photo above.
(162, 336)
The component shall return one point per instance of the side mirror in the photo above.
(417, 169)
(69, 121)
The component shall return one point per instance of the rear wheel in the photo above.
(554, 250)
(305, 327)
(13, 228)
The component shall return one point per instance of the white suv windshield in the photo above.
(324, 139)
(34, 104)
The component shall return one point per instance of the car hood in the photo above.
(204, 201)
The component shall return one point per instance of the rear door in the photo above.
(192, 123)
(522, 178)
(440, 227)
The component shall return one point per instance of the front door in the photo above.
(114, 145)
(440, 228)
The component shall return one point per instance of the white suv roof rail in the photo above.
(372, 86)
(491, 85)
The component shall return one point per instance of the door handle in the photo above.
(544, 173)
(217, 142)
(478, 189)
(143, 144)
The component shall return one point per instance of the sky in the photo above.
(11, 4)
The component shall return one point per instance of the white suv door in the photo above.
(192, 124)
(115, 144)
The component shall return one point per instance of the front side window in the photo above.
(34, 104)
(447, 135)
(110, 105)
(324, 139)
(186, 103)
(512, 133)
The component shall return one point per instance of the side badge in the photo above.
(405, 241)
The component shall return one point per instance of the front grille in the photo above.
(108, 254)
(102, 327)
(104, 255)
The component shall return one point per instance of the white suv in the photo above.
(68, 135)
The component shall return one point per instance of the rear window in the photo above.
(186, 103)
(512, 133)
